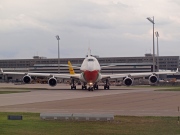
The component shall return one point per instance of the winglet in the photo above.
(71, 70)
(177, 70)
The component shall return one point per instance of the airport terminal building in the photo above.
(123, 64)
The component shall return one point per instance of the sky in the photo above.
(110, 28)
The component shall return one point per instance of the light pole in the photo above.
(152, 21)
(157, 35)
(57, 37)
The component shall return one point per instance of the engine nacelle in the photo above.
(52, 81)
(128, 81)
(27, 79)
(153, 79)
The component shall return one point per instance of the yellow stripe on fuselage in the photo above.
(71, 70)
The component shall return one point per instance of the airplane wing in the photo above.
(63, 76)
(52, 81)
(129, 77)
(134, 75)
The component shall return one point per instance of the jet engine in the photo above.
(128, 81)
(27, 79)
(153, 79)
(52, 81)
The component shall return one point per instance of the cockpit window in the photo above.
(90, 59)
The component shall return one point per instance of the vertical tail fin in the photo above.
(71, 70)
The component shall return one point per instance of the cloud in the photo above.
(110, 27)
(1, 7)
(21, 22)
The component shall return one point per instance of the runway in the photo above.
(118, 100)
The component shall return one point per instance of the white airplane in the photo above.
(90, 75)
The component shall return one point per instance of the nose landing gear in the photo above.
(91, 89)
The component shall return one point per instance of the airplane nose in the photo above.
(90, 66)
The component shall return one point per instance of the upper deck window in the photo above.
(90, 59)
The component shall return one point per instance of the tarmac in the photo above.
(119, 100)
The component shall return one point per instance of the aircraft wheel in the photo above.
(73, 87)
(106, 87)
(96, 87)
(84, 87)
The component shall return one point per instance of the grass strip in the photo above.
(23, 88)
(161, 88)
(126, 125)
(9, 92)
(169, 89)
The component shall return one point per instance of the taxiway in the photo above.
(134, 101)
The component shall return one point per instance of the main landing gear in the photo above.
(96, 87)
(73, 86)
(84, 87)
(106, 86)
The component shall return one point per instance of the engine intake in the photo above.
(27, 79)
(52, 81)
(153, 79)
(128, 81)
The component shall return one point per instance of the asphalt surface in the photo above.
(118, 100)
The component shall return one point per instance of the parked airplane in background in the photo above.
(90, 75)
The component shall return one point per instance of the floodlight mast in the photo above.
(152, 21)
(157, 35)
(58, 38)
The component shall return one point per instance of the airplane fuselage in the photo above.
(90, 69)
